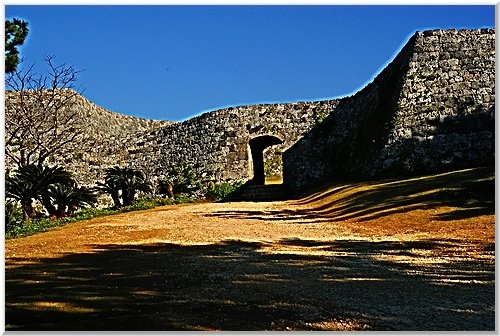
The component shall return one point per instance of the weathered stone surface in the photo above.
(217, 142)
(431, 109)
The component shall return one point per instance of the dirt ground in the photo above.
(347, 258)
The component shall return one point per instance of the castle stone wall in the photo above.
(217, 143)
(431, 109)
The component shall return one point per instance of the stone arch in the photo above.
(257, 146)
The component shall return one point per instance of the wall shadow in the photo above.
(237, 285)
(468, 193)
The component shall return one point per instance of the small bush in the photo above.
(221, 190)
(183, 198)
(184, 179)
(165, 201)
(142, 204)
(90, 213)
(149, 203)
(13, 215)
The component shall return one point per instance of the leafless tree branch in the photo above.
(40, 115)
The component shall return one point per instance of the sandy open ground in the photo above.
(323, 262)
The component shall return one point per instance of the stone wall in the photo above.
(217, 143)
(106, 142)
(431, 109)
(104, 137)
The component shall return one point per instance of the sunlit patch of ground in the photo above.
(411, 254)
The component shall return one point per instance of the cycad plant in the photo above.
(69, 197)
(183, 178)
(111, 187)
(43, 178)
(24, 192)
(13, 215)
(50, 185)
(123, 183)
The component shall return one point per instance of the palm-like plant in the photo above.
(184, 178)
(13, 215)
(123, 182)
(40, 182)
(69, 197)
(22, 191)
(111, 187)
(131, 185)
(43, 178)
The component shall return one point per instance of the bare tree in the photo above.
(40, 119)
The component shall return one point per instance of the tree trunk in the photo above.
(116, 200)
(60, 212)
(170, 190)
(48, 205)
(28, 211)
(128, 198)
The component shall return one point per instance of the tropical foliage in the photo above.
(122, 184)
(43, 178)
(13, 215)
(69, 197)
(22, 191)
(39, 197)
(53, 187)
(182, 178)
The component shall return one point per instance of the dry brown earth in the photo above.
(416, 254)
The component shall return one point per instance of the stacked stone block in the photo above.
(430, 110)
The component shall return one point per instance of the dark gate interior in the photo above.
(257, 147)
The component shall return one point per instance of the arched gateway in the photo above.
(257, 147)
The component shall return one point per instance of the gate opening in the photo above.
(257, 147)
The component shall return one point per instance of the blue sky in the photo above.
(175, 62)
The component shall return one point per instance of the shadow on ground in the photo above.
(236, 285)
(470, 192)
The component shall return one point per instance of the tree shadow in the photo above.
(467, 193)
(235, 285)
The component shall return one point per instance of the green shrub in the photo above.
(219, 191)
(149, 203)
(184, 179)
(164, 201)
(183, 198)
(13, 215)
(90, 213)
(141, 204)
(122, 184)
